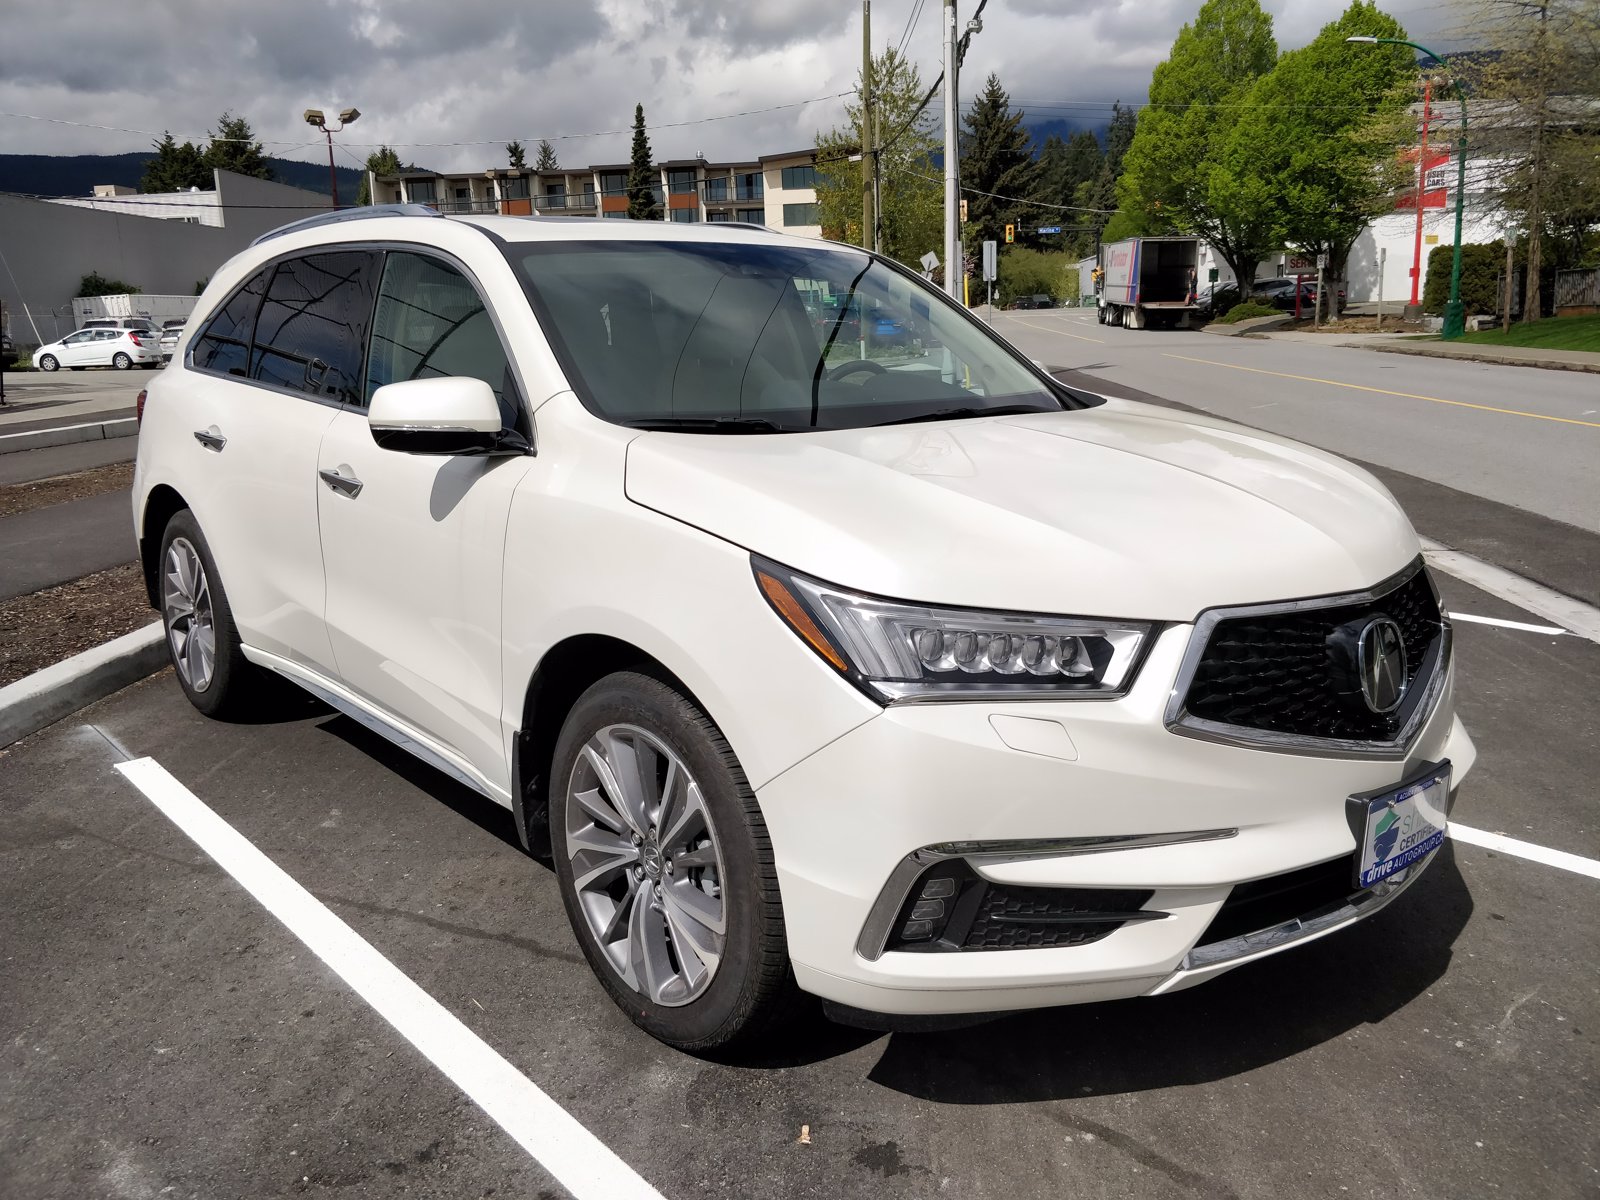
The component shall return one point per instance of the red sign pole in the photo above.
(1422, 187)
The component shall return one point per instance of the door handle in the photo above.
(211, 439)
(345, 485)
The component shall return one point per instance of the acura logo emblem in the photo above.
(1382, 663)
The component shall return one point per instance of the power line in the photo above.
(911, 27)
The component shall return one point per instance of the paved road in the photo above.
(158, 1030)
(1516, 435)
(47, 546)
(27, 465)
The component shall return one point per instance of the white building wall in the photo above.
(1395, 234)
(777, 196)
(194, 206)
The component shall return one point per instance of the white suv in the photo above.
(884, 669)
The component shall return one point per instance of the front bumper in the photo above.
(844, 819)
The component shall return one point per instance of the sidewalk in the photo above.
(1419, 344)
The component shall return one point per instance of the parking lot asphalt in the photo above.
(164, 1035)
(47, 461)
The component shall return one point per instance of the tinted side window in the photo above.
(224, 346)
(431, 322)
(313, 325)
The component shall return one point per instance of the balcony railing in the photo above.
(568, 200)
(453, 205)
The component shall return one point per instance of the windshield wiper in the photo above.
(709, 424)
(952, 414)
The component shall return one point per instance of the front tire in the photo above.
(48, 363)
(666, 868)
(202, 640)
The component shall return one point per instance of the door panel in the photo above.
(414, 557)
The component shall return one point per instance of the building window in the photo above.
(680, 182)
(748, 186)
(719, 217)
(515, 187)
(684, 216)
(751, 216)
(800, 214)
(621, 212)
(799, 177)
(422, 190)
(716, 188)
(614, 183)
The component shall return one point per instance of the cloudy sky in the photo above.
(448, 82)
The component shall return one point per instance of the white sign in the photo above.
(930, 261)
(990, 262)
(1322, 262)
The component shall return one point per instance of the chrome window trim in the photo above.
(880, 918)
(1428, 686)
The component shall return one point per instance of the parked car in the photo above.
(1040, 300)
(1214, 299)
(1281, 293)
(1022, 302)
(170, 332)
(101, 347)
(929, 689)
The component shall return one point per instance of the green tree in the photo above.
(95, 284)
(1533, 91)
(997, 158)
(517, 156)
(1178, 168)
(911, 195)
(382, 161)
(1323, 129)
(234, 148)
(175, 168)
(644, 183)
(547, 157)
(1097, 194)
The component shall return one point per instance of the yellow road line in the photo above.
(1047, 329)
(1510, 412)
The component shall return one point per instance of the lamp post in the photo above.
(315, 118)
(1455, 320)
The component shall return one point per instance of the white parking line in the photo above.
(1522, 625)
(581, 1162)
(1574, 615)
(1539, 854)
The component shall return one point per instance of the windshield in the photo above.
(764, 338)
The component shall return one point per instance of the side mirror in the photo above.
(449, 415)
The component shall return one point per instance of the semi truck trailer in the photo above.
(1149, 282)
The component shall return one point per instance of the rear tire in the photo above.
(48, 362)
(650, 860)
(121, 361)
(202, 640)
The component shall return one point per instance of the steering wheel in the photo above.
(854, 365)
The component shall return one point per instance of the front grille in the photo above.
(1294, 672)
(950, 907)
(1266, 903)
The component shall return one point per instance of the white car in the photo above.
(100, 347)
(899, 675)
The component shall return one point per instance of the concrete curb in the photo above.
(1489, 356)
(64, 435)
(1248, 326)
(37, 700)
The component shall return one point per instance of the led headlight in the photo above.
(899, 652)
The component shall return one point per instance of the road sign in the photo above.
(990, 261)
(1049, 229)
(1322, 262)
(930, 261)
(1212, 274)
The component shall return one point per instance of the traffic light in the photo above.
(1011, 234)
(963, 212)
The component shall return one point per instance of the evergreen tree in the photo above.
(1174, 172)
(175, 168)
(382, 161)
(644, 202)
(516, 155)
(234, 148)
(996, 157)
(547, 157)
(910, 195)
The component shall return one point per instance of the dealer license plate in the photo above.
(1402, 825)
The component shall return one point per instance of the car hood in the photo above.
(1121, 510)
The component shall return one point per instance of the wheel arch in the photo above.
(160, 506)
(567, 670)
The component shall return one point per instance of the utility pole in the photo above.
(952, 161)
(868, 171)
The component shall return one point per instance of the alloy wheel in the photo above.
(186, 605)
(646, 867)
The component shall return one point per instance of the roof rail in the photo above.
(348, 214)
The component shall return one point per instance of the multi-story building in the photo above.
(779, 190)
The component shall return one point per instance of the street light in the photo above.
(1455, 318)
(314, 117)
